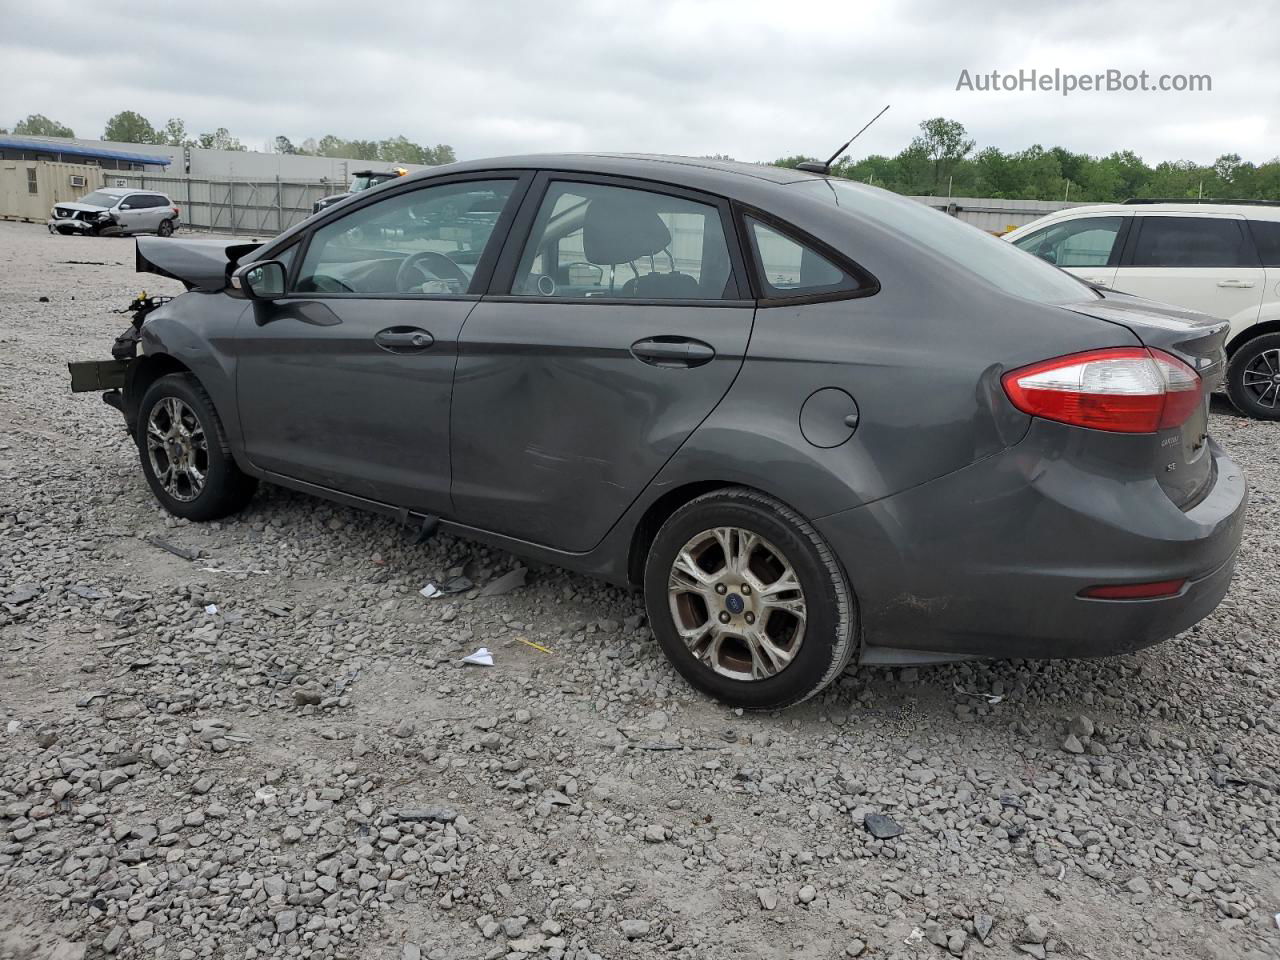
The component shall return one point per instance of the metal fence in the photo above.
(255, 207)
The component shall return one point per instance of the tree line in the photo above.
(943, 160)
(129, 126)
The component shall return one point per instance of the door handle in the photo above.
(673, 352)
(403, 339)
(1236, 284)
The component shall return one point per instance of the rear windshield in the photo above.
(100, 199)
(993, 260)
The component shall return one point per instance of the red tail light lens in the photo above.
(176, 211)
(1120, 389)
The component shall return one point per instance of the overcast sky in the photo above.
(753, 80)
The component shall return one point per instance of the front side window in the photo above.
(1191, 242)
(788, 268)
(422, 242)
(595, 241)
(1084, 242)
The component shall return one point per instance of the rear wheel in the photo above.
(1253, 377)
(747, 600)
(165, 229)
(185, 454)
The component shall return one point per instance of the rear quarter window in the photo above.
(1266, 236)
(1191, 242)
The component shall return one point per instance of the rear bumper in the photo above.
(990, 560)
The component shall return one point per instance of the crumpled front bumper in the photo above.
(81, 226)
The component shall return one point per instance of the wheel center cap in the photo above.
(734, 604)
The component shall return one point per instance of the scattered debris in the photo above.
(881, 826)
(186, 553)
(991, 698)
(87, 593)
(511, 580)
(530, 643)
(211, 609)
(233, 572)
(481, 658)
(458, 584)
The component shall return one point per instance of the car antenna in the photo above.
(813, 166)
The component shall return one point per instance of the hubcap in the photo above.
(1262, 378)
(737, 603)
(177, 449)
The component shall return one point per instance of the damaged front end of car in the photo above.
(200, 264)
(110, 376)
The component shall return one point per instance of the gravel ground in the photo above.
(273, 750)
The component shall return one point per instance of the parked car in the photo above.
(116, 210)
(1222, 259)
(362, 180)
(817, 422)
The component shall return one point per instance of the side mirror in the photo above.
(260, 281)
(125, 206)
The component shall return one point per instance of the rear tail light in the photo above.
(1135, 591)
(176, 211)
(1121, 389)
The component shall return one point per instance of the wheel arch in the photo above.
(1252, 333)
(143, 372)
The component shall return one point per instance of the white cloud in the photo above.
(751, 79)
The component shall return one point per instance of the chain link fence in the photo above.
(252, 207)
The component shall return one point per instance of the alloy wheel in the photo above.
(1262, 378)
(177, 448)
(737, 603)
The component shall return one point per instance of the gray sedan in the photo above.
(818, 423)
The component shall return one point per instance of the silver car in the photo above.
(116, 210)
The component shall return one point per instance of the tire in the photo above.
(811, 659)
(165, 229)
(1253, 377)
(224, 489)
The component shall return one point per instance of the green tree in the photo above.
(285, 145)
(945, 142)
(38, 125)
(220, 139)
(175, 133)
(130, 127)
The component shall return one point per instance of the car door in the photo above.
(1205, 262)
(1086, 246)
(346, 381)
(619, 317)
(1266, 238)
(131, 213)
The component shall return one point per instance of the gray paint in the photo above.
(964, 525)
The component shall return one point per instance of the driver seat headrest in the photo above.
(621, 229)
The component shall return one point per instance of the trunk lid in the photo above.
(1181, 460)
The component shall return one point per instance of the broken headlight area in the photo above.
(109, 375)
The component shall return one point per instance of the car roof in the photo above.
(650, 166)
(1190, 208)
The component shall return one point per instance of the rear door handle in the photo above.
(1236, 284)
(673, 352)
(403, 339)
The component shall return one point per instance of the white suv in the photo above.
(115, 210)
(1222, 259)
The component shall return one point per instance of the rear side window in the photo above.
(1191, 242)
(596, 241)
(1084, 242)
(1266, 236)
(789, 268)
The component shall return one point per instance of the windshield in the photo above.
(100, 199)
(995, 261)
(372, 180)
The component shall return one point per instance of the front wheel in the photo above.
(1253, 377)
(748, 601)
(185, 454)
(165, 229)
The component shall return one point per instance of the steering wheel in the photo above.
(428, 265)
